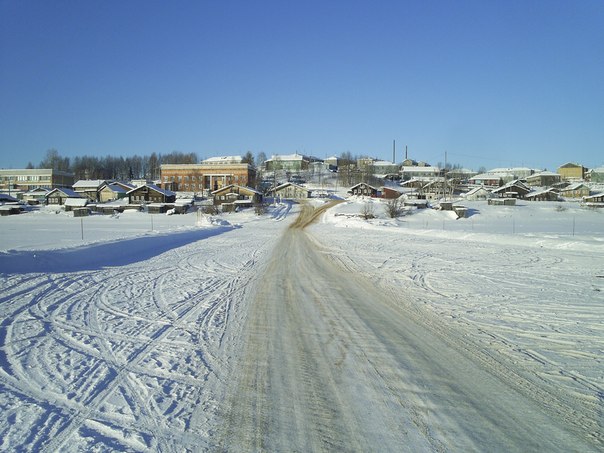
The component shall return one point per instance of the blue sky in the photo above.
(507, 83)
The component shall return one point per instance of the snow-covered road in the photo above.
(334, 363)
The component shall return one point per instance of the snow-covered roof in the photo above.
(508, 171)
(115, 188)
(286, 157)
(597, 195)
(287, 184)
(69, 192)
(89, 183)
(166, 192)
(489, 176)
(476, 190)
(540, 192)
(230, 186)
(38, 190)
(420, 169)
(363, 184)
(76, 202)
(223, 160)
(543, 173)
(574, 186)
(570, 165)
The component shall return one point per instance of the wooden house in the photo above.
(363, 189)
(543, 179)
(290, 191)
(36, 195)
(59, 196)
(543, 195)
(577, 190)
(236, 195)
(478, 193)
(89, 188)
(596, 201)
(596, 175)
(513, 189)
(113, 191)
(150, 193)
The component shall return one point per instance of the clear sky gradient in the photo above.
(492, 83)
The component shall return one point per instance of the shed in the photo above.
(71, 204)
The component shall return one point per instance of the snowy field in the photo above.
(120, 332)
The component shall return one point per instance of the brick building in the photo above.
(209, 175)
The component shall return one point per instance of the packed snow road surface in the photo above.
(330, 363)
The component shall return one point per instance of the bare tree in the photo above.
(367, 211)
(394, 207)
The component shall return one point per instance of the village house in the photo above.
(461, 174)
(417, 172)
(543, 179)
(572, 172)
(363, 189)
(35, 196)
(58, 196)
(288, 162)
(513, 173)
(209, 175)
(543, 195)
(231, 196)
(596, 200)
(332, 163)
(113, 191)
(576, 190)
(513, 189)
(596, 175)
(89, 188)
(489, 180)
(480, 193)
(150, 193)
(290, 191)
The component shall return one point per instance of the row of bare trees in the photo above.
(112, 167)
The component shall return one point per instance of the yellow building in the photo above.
(570, 171)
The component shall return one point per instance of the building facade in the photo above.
(209, 175)
(27, 179)
(571, 171)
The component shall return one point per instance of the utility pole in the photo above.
(445, 176)
(393, 151)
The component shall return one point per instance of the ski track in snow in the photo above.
(121, 358)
